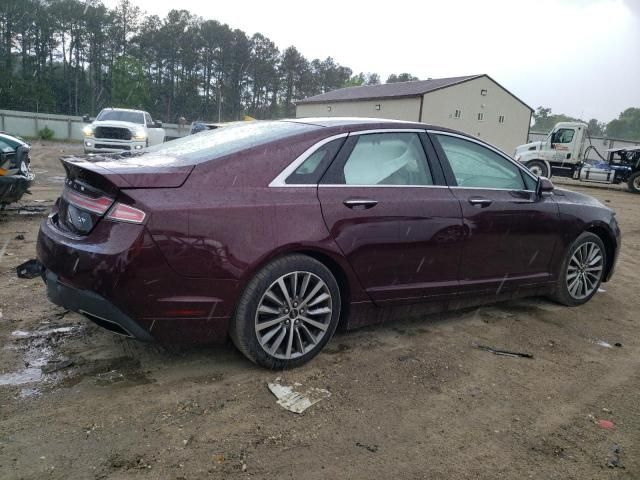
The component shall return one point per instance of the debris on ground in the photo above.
(56, 365)
(606, 424)
(617, 344)
(505, 353)
(613, 460)
(602, 343)
(371, 448)
(29, 269)
(601, 290)
(292, 399)
(19, 237)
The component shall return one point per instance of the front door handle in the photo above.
(360, 203)
(480, 202)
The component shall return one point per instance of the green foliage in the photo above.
(403, 77)
(545, 120)
(626, 126)
(78, 56)
(45, 134)
(129, 86)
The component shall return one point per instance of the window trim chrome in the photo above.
(493, 149)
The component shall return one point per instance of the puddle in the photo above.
(38, 357)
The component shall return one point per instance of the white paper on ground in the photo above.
(295, 400)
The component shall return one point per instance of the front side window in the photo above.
(395, 158)
(474, 165)
(563, 135)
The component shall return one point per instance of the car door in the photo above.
(155, 135)
(385, 203)
(511, 230)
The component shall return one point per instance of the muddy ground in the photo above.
(412, 399)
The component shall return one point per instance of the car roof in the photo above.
(355, 122)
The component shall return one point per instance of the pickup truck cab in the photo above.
(120, 129)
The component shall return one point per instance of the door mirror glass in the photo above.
(544, 185)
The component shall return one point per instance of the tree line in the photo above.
(626, 126)
(78, 56)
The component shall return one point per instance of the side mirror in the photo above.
(86, 119)
(157, 124)
(544, 185)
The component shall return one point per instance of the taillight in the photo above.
(95, 205)
(122, 212)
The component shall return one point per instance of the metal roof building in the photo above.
(474, 104)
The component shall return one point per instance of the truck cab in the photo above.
(121, 129)
(558, 153)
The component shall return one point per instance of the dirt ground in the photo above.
(411, 399)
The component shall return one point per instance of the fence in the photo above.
(64, 127)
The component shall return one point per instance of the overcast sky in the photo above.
(579, 57)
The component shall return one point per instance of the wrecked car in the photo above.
(274, 233)
(15, 170)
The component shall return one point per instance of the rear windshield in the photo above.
(212, 144)
(121, 116)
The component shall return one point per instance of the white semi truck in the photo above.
(121, 130)
(565, 153)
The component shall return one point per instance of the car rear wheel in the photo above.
(634, 183)
(287, 313)
(538, 168)
(582, 270)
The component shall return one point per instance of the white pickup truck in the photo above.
(120, 129)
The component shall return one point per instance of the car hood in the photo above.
(116, 123)
(569, 196)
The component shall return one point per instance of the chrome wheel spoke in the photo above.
(269, 323)
(314, 323)
(293, 315)
(584, 270)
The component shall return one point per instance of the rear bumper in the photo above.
(118, 277)
(96, 308)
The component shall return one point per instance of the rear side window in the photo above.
(476, 166)
(311, 170)
(394, 158)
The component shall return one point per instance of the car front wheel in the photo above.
(634, 183)
(582, 270)
(538, 168)
(287, 313)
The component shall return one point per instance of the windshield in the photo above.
(212, 144)
(121, 116)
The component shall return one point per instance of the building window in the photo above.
(500, 118)
(329, 108)
(377, 106)
(481, 117)
(483, 92)
(457, 114)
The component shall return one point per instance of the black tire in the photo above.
(562, 293)
(538, 168)
(242, 328)
(634, 183)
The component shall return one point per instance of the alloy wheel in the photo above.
(293, 315)
(585, 270)
(536, 170)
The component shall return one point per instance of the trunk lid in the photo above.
(91, 186)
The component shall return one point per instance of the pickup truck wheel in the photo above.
(582, 271)
(538, 168)
(634, 183)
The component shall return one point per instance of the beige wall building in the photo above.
(476, 105)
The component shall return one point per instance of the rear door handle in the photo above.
(360, 203)
(480, 202)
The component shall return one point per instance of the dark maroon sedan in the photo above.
(274, 233)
